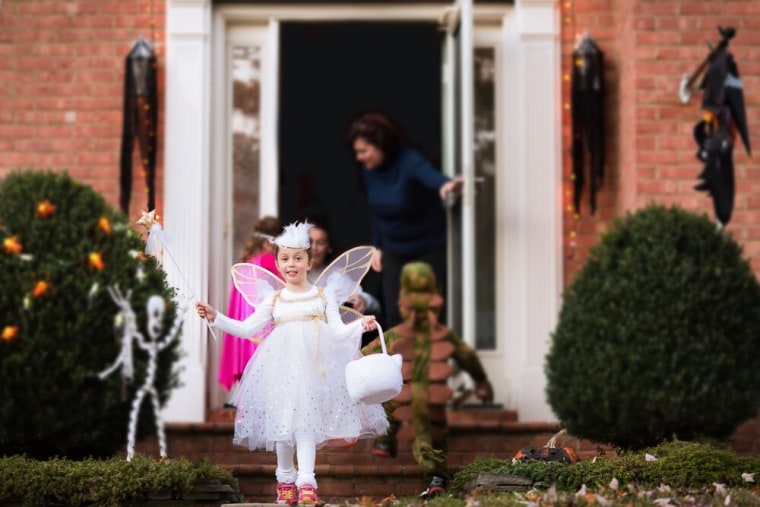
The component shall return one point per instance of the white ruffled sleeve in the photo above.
(351, 332)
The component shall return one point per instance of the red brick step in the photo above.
(350, 473)
(346, 475)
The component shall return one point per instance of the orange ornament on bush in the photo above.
(9, 333)
(11, 245)
(45, 209)
(96, 261)
(40, 289)
(104, 225)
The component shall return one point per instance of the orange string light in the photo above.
(571, 216)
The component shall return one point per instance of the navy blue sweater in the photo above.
(407, 213)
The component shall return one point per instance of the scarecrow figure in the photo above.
(587, 120)
(140, 119)
(426, 347)
(723, 115)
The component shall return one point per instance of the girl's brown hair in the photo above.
(266, 228)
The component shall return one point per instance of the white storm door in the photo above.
(244, 169)
(469, 152)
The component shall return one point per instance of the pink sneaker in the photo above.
(286, 493)
(307, 495)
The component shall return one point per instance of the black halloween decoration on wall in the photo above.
(723, 116)
(140, 120)
(587, 106)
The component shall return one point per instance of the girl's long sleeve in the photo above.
(342, 332)
(249, 327)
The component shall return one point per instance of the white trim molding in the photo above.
(531, 206)
(186, 196)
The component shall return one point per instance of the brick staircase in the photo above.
(346, 475)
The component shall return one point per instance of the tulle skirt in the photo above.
(296, 384)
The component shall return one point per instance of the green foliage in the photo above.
(108, 482)
(657, 337)
(692, 464)
(469, 472)
(51, 401)
(688, 465)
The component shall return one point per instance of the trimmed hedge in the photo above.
(62, 247)
(113, 482)
(658, 334)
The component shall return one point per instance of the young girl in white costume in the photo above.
(293, 396)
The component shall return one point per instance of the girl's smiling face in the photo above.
(294, 264)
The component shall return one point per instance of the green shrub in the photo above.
(658, 334)
(688, 465)
(55, 342)
(94, 482)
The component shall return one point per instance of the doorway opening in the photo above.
(329, 73)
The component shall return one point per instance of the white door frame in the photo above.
(529, 220)
(530, 201)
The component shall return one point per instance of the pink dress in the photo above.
(236, 351)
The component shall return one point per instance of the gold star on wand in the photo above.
(148, 219)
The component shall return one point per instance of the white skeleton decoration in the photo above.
(155, 310)
(127, 325)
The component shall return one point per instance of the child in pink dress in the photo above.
(260, 251)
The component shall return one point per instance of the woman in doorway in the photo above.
(404, 194)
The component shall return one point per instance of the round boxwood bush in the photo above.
(658, 334)
(62, 247)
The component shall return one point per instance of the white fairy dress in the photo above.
(295, 382)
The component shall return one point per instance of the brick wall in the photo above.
(62, 69)
(648, 46)
(62, 66)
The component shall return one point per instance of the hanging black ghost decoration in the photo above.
(140, 117)
(723, 115)
(587, 107)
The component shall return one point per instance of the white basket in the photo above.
(375, 378)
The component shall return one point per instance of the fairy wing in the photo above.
(345, 273)
(254, 282)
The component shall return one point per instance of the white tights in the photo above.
(306, 448)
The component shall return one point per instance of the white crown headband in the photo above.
(295, 235)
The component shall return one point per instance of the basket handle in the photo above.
(382, 338)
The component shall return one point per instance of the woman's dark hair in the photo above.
(377, 129)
